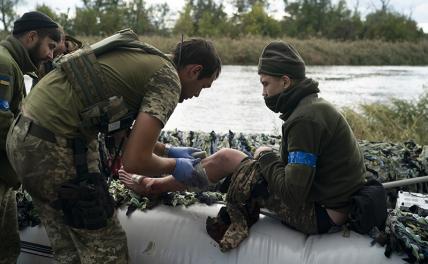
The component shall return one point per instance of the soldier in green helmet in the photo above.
(33, 39)
(103, 88)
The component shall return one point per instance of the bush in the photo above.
(397, 121)
(246, 50)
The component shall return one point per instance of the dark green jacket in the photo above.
(315, 126)
(14, 63)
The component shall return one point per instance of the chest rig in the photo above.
(103, 110)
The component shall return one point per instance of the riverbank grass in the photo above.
(246, 50)
(396, 121)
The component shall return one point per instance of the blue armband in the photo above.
(4, 105)
(303, 158)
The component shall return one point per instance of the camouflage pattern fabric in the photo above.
(42, 167)
(238, 196)
(391, 162)
(301, 218)
(407, 232)
(162, 93)
(241, 211)
(9, 237)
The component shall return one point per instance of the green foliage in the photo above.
(243, 6)
(48, 11)
(86, 21)
(398, 120)
(8, 14)
(245, 50)
(391, 26)
(322, 18)
(303, 19)
(258, 22)
(158, 15)
(184, 23)
(61, 18)
(203, 18)
(211, 25)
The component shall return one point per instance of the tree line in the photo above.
(208, 18)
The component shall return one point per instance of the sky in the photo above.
(417, 9)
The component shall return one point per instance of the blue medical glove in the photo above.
(181, 152)
(184, 170)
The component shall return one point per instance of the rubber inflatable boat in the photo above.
(177, 235)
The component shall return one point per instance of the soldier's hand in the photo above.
(184, 170)
(181, 152)
(260, 150)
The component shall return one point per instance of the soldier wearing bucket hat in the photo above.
(33, 39)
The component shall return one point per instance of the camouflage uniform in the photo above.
(55, 168)
(147, 83)
(14, 62)
(232, 224)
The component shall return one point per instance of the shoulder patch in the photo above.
(4, 105)
(4, 79)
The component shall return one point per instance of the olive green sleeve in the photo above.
(292, 182)
(6, 115)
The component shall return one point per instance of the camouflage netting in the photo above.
(384, 161)
(407, 231)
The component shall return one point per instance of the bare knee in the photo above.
(225, 159)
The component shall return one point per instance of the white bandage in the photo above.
(137, 178)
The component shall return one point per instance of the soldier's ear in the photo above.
(286, 80)
(30, 38)
(33, 35)
(196, 69)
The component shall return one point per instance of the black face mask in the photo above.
(272, 102)
(286, 101)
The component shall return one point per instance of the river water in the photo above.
(234, 102)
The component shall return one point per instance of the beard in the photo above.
(34, 54)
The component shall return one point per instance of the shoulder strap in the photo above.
(125, 39)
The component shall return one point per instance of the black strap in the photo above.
(80, 160)
(41, 132)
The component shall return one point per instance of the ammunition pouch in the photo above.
(85, 205)
(85, 200)
(108, 116)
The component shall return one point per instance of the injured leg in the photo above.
(217, 166)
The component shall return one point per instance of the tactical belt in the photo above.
(85, 200)
(43, 133)
(77, 144)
